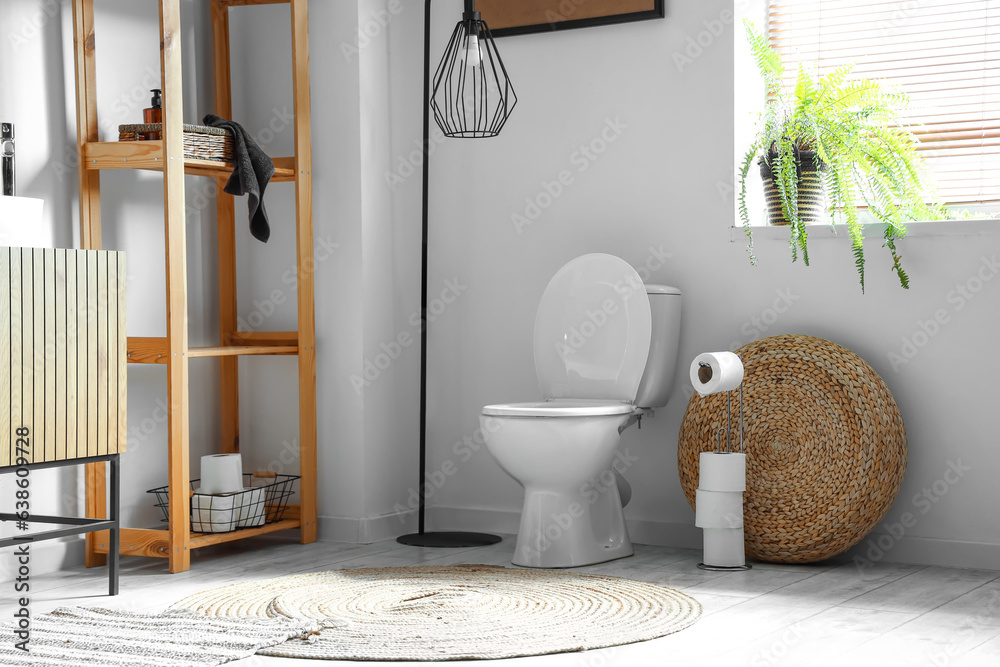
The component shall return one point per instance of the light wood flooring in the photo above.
(825, 614)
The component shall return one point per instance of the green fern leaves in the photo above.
(867, 154)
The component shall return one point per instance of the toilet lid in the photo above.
(592, 330)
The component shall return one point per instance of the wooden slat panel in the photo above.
(111, 325)
(101, 317)
(48, 359)
(122, 351)
(28, 346)
(7, 434)
(38, 354)
(72, 355)
(58, 344)
(16, 354)
(93, 355)
(82, 355)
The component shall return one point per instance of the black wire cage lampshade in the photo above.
(472, 96)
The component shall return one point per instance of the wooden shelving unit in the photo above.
(173, 350)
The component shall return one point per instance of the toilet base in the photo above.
(560, 530)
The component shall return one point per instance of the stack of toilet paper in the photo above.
(719, 507)
(222, 503)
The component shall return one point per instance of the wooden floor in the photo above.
(828, 614)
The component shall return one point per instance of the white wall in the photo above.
(666, 183)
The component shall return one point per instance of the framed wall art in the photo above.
(518, 17)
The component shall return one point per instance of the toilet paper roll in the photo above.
(222, 473)
(251, 512)
(718, 510)
(712, 372)
(724, 547)
(722, 472)
(213, 514)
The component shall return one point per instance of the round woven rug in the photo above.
(825, 445)
(454, 612)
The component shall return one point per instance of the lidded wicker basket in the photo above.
(201, 142)
(825, 445)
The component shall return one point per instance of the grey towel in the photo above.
(251, 175)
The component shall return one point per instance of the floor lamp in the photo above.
(471, 98)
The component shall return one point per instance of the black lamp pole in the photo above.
(422, 538)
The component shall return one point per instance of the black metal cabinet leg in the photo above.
(114, 531)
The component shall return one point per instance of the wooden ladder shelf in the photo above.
(167, 156)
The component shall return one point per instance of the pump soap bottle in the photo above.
(154, 114)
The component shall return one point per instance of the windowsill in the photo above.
(986, 226)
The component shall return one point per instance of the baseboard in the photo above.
(905, 549)
(885, 547)
(659, 533)
(45, 558)
(366, 530)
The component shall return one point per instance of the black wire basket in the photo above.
(263, 500)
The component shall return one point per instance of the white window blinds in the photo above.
(944, 53)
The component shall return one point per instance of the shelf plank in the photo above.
(199, 540)
(148, 155)
(265, 338)
(241, 350)
(147, 350)
(247, 3)
(135, 542)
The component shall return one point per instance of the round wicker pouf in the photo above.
(454, 612)
(825, 445)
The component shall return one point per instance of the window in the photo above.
(944, 53)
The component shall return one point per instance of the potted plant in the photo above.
(828, 147)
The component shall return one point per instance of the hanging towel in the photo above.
(251, 175)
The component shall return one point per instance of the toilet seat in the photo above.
(562, 407)
(592, 331)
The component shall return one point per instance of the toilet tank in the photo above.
(661, 364)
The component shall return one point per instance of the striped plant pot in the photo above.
(812, 192)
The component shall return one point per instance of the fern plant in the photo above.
(867, 155)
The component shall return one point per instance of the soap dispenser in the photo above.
(154, 114)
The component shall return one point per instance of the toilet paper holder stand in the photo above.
(728, 429)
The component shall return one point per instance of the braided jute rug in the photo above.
(74, 637)
(453, 612)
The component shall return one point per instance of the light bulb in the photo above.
(473, 57)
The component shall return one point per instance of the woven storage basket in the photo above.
(825, 444)
(200, 142)
(811, 192)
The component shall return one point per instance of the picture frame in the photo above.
(520, 17)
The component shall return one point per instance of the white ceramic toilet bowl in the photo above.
(562, 453)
